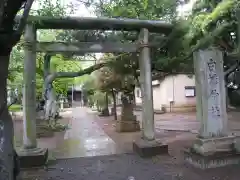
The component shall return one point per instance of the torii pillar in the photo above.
(148, 145)
(214, 146)
(30, 155)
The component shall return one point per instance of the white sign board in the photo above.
(155, 82)
(189, 92)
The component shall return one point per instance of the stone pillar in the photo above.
(127, 122)
(211, 93)
(29, 93)
(141, 81)
(213, 136)
(30, 155)
(146, 87)
(147, 146)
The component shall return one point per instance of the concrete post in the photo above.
(29, 94)
(141, 81)
(214, 147)
(30, 155)
(146, 88)
(211, 93)
(147, 146)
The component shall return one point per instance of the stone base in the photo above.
(209, 146)
(147, 148)
(219, 159)
(127, 126)
(112, 111)
(33, 157)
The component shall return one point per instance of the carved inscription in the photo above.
(213, 90)
(212, 75)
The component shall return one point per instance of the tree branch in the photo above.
(51, 77)
(46, 69)
(231, 69)
(22, 21)
(201, 44)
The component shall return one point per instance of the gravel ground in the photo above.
(127, 167)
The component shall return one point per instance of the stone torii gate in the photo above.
(30, 148)
(213, 147)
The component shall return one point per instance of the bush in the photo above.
(15, 108)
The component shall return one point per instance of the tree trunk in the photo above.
(114, 110)
(98, 106)
(6, 124)
(46, 72)
(134, 98)
(51, 103)
(51, 107)
(105, 111)
(127, 107)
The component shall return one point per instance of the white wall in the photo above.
(174, 87)
(171, 88)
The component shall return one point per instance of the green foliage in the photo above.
(119, 75)
(204, 22)
(16, 65)
(210, 23)
(99, 97)
(165, 10)
(15, 108)
(88, 82)
(55, 8)
(60, 64)
(141, 9)
(50, 9)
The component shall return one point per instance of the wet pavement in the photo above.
(84, 137)
(186, 122)
(91, 149)
(115, 167)
(90, 135)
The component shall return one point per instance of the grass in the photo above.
(15, 108)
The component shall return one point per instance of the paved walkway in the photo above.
(92, 136)
(187, 122)
(84, 137)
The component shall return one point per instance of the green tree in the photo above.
(9, 36)
(210, 23)
(163, 57)
(118, 77)
(50, 9)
